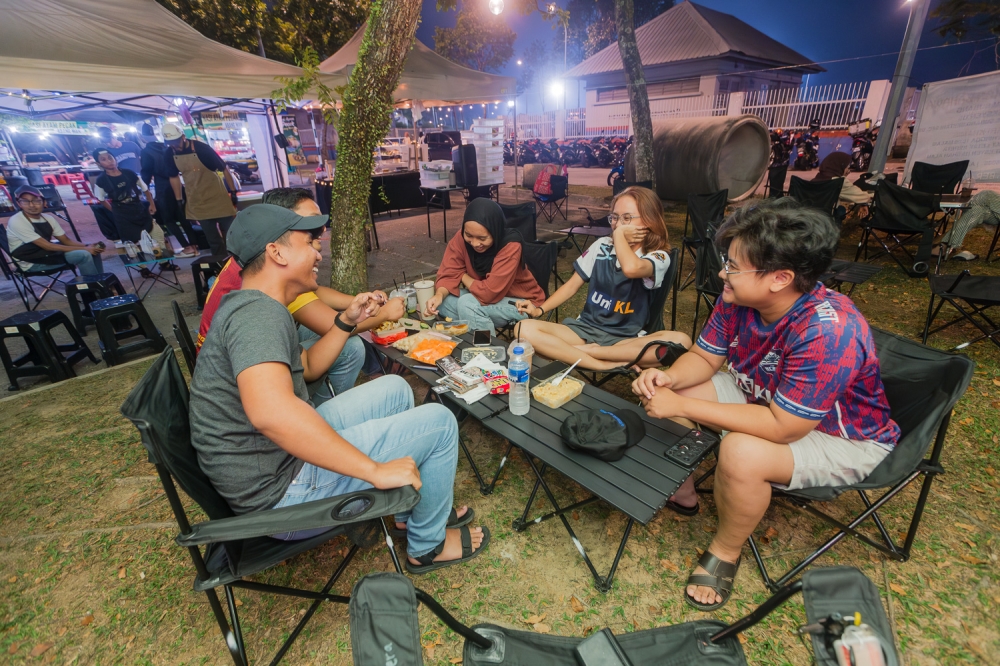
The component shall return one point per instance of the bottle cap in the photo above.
(518, 350)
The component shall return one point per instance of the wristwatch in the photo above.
(346, 328)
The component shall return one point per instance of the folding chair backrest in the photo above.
(183, 334)
(523, 217)
(621, 185)
(158, 406)
(937, 178)
(922, 385)
(897, 207)
(823, 194)
(707, 264)
(559, 185)
(706, 210)
(776, 181)
(6, 261)
(540, 257)
(659, 300)
(53, 200)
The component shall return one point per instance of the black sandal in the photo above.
(683, 510)
(453, 521)
(427, 563)
(720, 577)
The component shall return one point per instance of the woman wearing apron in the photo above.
(210, 197)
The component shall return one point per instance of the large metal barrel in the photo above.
(702, 155)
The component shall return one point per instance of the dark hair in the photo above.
(286, 197)
(256, 265)
(782, 234)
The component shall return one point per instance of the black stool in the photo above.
(112, 318)
(202, 269)
(84, 290)
(46, 356)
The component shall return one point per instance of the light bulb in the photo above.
(496, 6)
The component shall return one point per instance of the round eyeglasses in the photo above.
(627, 218)
(725, 267)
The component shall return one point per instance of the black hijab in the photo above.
(833, 166)
(489, 214)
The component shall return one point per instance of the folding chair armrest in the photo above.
(330, 513)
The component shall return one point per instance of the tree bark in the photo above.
(367, 109)
(635, 80)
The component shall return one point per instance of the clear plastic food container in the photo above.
(453, 327)
(557, 396)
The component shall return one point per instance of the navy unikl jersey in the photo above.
(615, 303)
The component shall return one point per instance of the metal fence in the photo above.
(835, 106)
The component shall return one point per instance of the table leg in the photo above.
(428, 202)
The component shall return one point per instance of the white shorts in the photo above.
(821, 460)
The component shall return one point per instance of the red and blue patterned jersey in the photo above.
(817, 362)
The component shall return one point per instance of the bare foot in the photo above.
(460, 511)
(704, 594)
(453, 545)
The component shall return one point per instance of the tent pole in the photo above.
(515, 150)
(279, 170)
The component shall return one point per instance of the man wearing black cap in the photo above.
(126, 153)
(30, 235)
(264, 446)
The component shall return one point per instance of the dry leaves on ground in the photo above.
(576, 604)
(898, 589)
(40, 649)
(667, 564)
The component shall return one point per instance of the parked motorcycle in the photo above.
(781, 148)
(807, 148)
(864, 133)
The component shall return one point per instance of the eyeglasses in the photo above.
(30, 202)
(627, 218)
(725, 267)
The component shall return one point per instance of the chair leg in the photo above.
(236, 649)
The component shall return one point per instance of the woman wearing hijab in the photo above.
(838, 165)
(482, 274)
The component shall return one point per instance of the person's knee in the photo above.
(354, 350)
(681, 338)
(440, 417)
(396, 388)
(738, 459)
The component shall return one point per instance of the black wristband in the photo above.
(346, 328)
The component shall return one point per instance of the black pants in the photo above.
(170, 216)
(215, 231)
(105, 222)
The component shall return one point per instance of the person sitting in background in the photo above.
(984, 208)
(30, 233)
(838, 165)
(483, 274)
(623, 270)
(314, 311)
(260, 442)
(802, 405)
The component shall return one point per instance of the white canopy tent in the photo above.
(428, 78)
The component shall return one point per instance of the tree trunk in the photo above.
(642, 122)
(366, 114)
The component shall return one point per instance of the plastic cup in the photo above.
(425, 290)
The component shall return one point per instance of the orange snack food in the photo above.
(430, 350)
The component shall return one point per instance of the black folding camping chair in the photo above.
(703, 211)
(522, 217)
(227, 548)
(556, 203)
(27, 281)
(937, 178)
(899, 217)
(596, 227)
(707, 283)
(183, 335)
(922, 385)
(540, 257)
(774, 187)
(385, 629)
(972, 296)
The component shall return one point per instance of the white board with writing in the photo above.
(959, 119)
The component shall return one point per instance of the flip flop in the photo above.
(427, 563)
(720, 577)
(453, 521)
(683, 510)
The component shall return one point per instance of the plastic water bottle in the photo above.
(519, 372)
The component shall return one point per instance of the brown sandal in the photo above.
(720, 577)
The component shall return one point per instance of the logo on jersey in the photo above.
(607, 303)
(826, 312)
(735, 343)
(770, 362)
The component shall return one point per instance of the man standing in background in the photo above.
(209, 192)
(157, 168)
(126, 153)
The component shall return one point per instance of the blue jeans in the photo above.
(379, 419)
(481, 317)
(87, 263)
(344, 371)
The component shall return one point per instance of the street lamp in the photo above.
(496, 6)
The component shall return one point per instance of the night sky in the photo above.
(843, 29)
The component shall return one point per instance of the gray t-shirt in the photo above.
(249, 470)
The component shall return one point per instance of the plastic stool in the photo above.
(202, 269)
(50, 179)
(46, 356)
(118, 310)
(84, 290)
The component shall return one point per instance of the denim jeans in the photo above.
(344, 371)
(87, 263)
(380, 420)
(481, 317)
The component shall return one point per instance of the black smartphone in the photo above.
(481, 338)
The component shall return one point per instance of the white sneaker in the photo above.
(184, 255)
